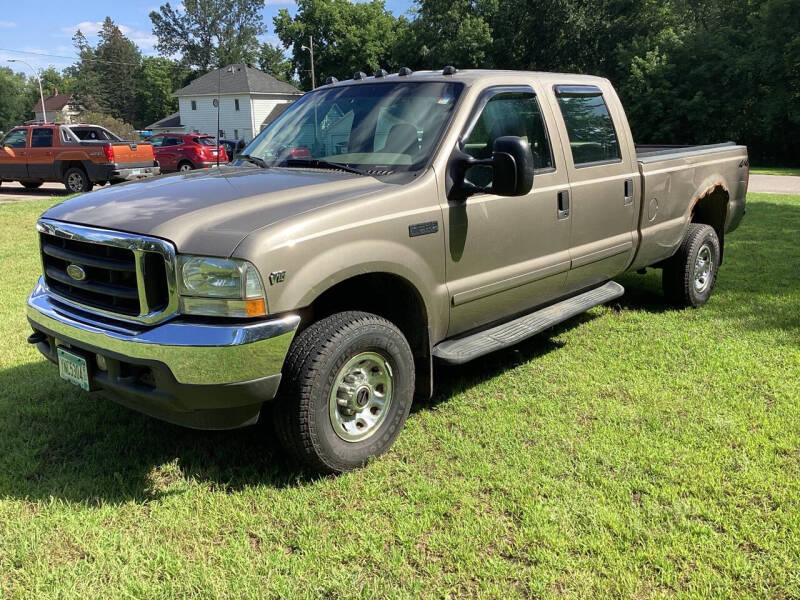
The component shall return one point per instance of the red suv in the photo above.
(184, 152)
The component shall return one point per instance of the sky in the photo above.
(47, 26)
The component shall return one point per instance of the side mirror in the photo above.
(511, 164)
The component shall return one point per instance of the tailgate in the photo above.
(132, 153)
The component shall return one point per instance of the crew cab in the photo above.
(77, 155)
(180, 152)
(379, 227)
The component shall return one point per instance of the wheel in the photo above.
(347, 387)
(689, 276)
(31, 185)
(76, 180)
(185, 166)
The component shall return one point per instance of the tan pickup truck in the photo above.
(379, 226)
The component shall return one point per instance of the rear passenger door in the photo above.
(602, 177)
(40, 154)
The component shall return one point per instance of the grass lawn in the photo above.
(634, 452)
(775, 171)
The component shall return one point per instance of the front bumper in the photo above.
(198, 375)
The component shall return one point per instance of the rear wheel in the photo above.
(185, 166)
(348, 383)
(689, 277)
(31, 185)
(76, 180)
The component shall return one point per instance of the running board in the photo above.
(461, 350)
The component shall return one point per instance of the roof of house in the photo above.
(237, 79)
(170, 122)
(54, 102)
(276, 112)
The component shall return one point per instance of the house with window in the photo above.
(58, 107)
(245, 97)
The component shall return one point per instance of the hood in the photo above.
(210, 212)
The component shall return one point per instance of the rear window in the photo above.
(205, 141)
(592, 137)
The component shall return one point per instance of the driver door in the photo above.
(506, 255)
(13, 155)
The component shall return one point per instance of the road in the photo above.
(14, 192)
(774, 184)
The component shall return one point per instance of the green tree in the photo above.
(158, 78)
(348, 37)
(272, 60)
(114, 125)
(14, 104)
(118, 64)
(208, 33)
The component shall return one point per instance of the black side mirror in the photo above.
(511, 163)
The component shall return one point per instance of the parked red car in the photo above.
(184, 152)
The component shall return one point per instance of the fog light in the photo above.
(101, 362)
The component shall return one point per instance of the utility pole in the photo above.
(39, 79)
(310, 49)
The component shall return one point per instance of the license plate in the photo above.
(136, 171)
(73, 368)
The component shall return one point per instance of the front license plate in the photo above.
(73, 368)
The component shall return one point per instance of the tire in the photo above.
(185, 165)
(347, 352)
(689, 277)
(76, 180)
(31, 185)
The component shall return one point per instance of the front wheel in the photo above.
(689, 277)
(347, 388)
(76, 180)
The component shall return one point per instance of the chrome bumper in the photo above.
(194, 353)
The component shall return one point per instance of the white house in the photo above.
(246, 98)
(57, 107)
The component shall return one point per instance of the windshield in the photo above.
(378, 126)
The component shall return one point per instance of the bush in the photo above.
(116, 126)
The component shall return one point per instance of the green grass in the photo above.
(634, 452)
(775, 171)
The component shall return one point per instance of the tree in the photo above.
(272, 60)
(158, 78)
(14, 107)
(114, 125)
(207, 33)
(348, 37)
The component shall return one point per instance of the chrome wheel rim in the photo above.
(361, 396)
(185, 167)
(703, 265)
(75, 182)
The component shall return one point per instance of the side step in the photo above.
(461, 350)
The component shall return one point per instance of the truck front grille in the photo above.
(116, 274)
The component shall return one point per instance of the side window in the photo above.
(508, 113)
(592, 137)
(42, 137)
(236, 103)
(157, 141)
(16, 138)
(194, 104)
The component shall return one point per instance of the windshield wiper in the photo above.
(321, 164)
(255, 160)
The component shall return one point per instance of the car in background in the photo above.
(185, 152)
(233, 147)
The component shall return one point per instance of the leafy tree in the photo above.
(348, 37)
(14, 107)
(114, 125)
(158, 78)
(206, 33)
(272, 60)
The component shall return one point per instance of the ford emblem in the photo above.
(76, 272)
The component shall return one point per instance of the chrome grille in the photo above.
(112, 273)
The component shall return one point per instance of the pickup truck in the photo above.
(379, 226)
(77, 155)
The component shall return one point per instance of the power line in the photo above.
(79, 58)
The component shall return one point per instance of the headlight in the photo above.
(223, 287)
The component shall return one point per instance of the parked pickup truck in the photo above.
(77, 155)
(379, 226)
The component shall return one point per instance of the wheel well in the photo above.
(66, 166)
(185, 161)
(712, 209)
(392, 297)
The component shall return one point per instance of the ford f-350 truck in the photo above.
(379, 226)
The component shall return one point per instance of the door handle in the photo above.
(628, 192)
(563, 204)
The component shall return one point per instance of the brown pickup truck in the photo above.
(77, 155)
(379, 226)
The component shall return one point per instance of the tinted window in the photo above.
(592, 137)
(173, 141)
(507, 113)
(157, 141)
(15, 139)
(42, 138)
(236, 103)
(205, 141)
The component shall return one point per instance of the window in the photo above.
(236, 103)
(42, 137)
(221, 133)
(194, 104)
(157, 141)
(592, 137)
(173, 141)
(507, 113)
(16, 138)
(236, 134)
